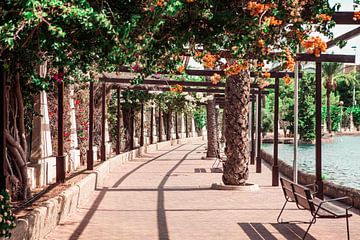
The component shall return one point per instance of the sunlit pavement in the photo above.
(167, 195)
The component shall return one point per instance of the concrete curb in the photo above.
(42, 220)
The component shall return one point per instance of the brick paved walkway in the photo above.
(167, 195)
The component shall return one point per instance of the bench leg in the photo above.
(347, 225)
(311, 223)
(282, 209)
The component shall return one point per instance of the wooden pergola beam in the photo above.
(185, 89)
(346, 36)
(169, 82)
(208, 72)
(345, 18)
(304, 57)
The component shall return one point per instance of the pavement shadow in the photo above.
(161, 212)
(260, 231)
(117, 184)
(83, 224)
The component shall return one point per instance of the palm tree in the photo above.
(237, 92)
(329, 72)
(351, 80)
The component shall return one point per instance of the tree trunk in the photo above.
(211, 129)
(237, 94)
(328, 112)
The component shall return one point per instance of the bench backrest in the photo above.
(303, 197)
(297, 193)
(287, 188)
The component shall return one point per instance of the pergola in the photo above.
(339, 18)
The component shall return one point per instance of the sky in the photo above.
(346, 5)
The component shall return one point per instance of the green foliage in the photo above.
(7, 218)
(356, 115)
(335, 113)
(200, 117)
(133, 99)
(307, 107)
(267, 123)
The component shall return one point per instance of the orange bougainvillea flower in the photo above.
(272, 21)
(160, 3)
(181, 69)
(287, 79)
(236, 68)
(324, 17)
(257, 8)
(290, 63)
(266, 75)
(215, 79)
(315, 45)
(209, 60)
(177, 88)
(356, 16)
(261, 43)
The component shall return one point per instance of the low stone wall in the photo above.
(331, 190)
(42, 220)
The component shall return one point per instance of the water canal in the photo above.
(341, 159)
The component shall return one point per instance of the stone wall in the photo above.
(331, 190)
(42, 220)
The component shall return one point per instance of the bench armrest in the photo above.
(314, 187)
(338, 199)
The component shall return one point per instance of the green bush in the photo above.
(7, 218)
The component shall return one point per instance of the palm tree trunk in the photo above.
(237, 93)
(328, 113)
(211, 129)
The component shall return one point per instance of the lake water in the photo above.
(340, 159)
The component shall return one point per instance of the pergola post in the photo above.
(258, 133)
(151, 125)
(60, 158)
(186, 126)
(160, 137)
(2, 127)
(252, 131)
(118, 127)
(103, 123)
(132, 129)
(142, 126)
(176, 126)
(275, 166)
(90, 151)
(319, 181)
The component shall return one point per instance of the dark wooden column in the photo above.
(160, 125)
(103, 121)
(275, 167)
(319, 181)
(2, 127)
(152, 125)
(252, 154)
(132, 128)
(90, 152)
(176, 126)
(142, 126)
(186, 125)
(60, 158)
(118, 127)
(258, 137)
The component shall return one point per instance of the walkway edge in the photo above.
(42, 220)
